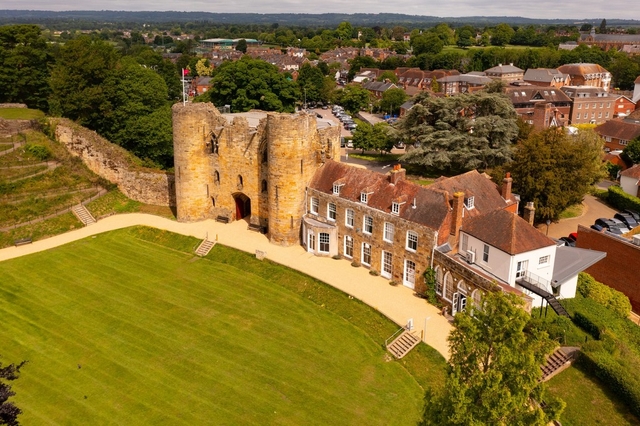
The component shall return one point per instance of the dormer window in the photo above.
(364, 197)
(469, 202)
(336, 188)
(395, 208)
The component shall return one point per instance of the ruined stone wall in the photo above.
(398, 247)
(115, 164)
(9, 128)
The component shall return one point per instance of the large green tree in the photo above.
(502, 35)
(631, 152)
(251, 84)
(459, 132)
(77, 78)
(9, 412)
(555, 169)
(494, 369)
(427, 43)
(392, 99)
(24, 62)
(311, 83)
(353, 98)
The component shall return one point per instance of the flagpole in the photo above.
(184, 92)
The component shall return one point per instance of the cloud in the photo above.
(573, 9)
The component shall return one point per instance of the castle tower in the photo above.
(191, 132)
(294, 155)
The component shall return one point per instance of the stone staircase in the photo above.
(558, 361)
(205, 247)
(83, 215)
(403, 344)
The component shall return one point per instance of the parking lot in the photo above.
(593, 209)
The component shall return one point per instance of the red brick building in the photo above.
(543, 107)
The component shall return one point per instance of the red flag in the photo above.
(185, 71)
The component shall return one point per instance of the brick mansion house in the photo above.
(282, 174)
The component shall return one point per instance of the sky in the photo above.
(582, 9)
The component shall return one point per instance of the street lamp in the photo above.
(548, 222)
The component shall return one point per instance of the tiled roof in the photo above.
(545, 75)
(485, 193)
(581, 69)
(506, 231)
(504, 69)
(526, 94)
(633, 172)
(432, 206)
(619, 129)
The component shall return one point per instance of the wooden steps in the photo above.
(403, 344)
(558, 361)
(83, 215)
(205, 247)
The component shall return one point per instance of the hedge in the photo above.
(608, 297)
(621, 200)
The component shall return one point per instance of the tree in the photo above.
(311, 83)
(9, 412)
(502, 35)
(392, 99)
(555, 170)
(242, 46)
(494, 369)
(388, 75)
(203, 68)
(631, 152)
(344, 31)
(363, 137)
(251, 84)
(427, 43)
(465, 37)
(459, 132)
(24, 62)
(603, 26)
(353, 98)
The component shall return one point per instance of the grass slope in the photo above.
(121, 329)
(20, 113)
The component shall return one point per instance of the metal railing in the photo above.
(393, 336)
(536, 281)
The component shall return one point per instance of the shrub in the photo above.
(373, 272)
(393, 283)
(40, 152)
(606, 296)
(621, 200)
(430, 287)
(355, 264)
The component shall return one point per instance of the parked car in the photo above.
(568, 242)
(633, 213)
(627, 219)
(399, 145)
(596, 227)
(605, 223)
(620, 225)
(573, 236)
(350, 126)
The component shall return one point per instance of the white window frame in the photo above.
(349, 218)
(365, 254)
(389, 231)
(386, 264)
(412, 241)
(395, 208)
(364, 197)
(465, 243)
(544, 260)
(367, 225)
(322, 240)
(332, 212)
(485, 253)
(409, 273)
(439, 280)
(470, 202)
(336, 188)
(348, 247)
(313, 205)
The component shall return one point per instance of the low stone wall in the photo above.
(13, 127)
(116, 164)
(13, 105)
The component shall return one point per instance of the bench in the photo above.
(222, 219)
(257, 228)
(22, 241)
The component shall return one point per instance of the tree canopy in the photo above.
(9, 412)
(460, 132)
(631, 152)
(555, 170)
(392, 99)
(251, 84)
(372, 138)
(494, 369)
(353, 98)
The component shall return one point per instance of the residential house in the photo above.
(543, 107)
(624, 106)
(617, 133)
(590, 104)
(463, 83)
(630, 180)
(367, 74)
(377, 88)
(636, 91)
(201, 84)
(506, 73)
(618, 270)
(415, 80)
(549, 77)
(583, 74)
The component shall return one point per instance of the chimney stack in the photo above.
(397, 174)
(529, 213)
(506, 187)
(458, 208)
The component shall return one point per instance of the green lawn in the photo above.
(588, 401)
(128, 327)
(20, 113)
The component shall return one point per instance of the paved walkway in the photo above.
(593, 209)
(398, 303)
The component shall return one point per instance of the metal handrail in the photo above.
(537, 281)
(386, 342)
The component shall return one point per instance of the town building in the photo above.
(506, 73)
(609, 41)
(590, 105)
(549, 77)
(583, 74)
(463, 83)
(543, 107)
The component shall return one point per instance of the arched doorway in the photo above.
(243, 205)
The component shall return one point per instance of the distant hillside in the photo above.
(287, 19)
